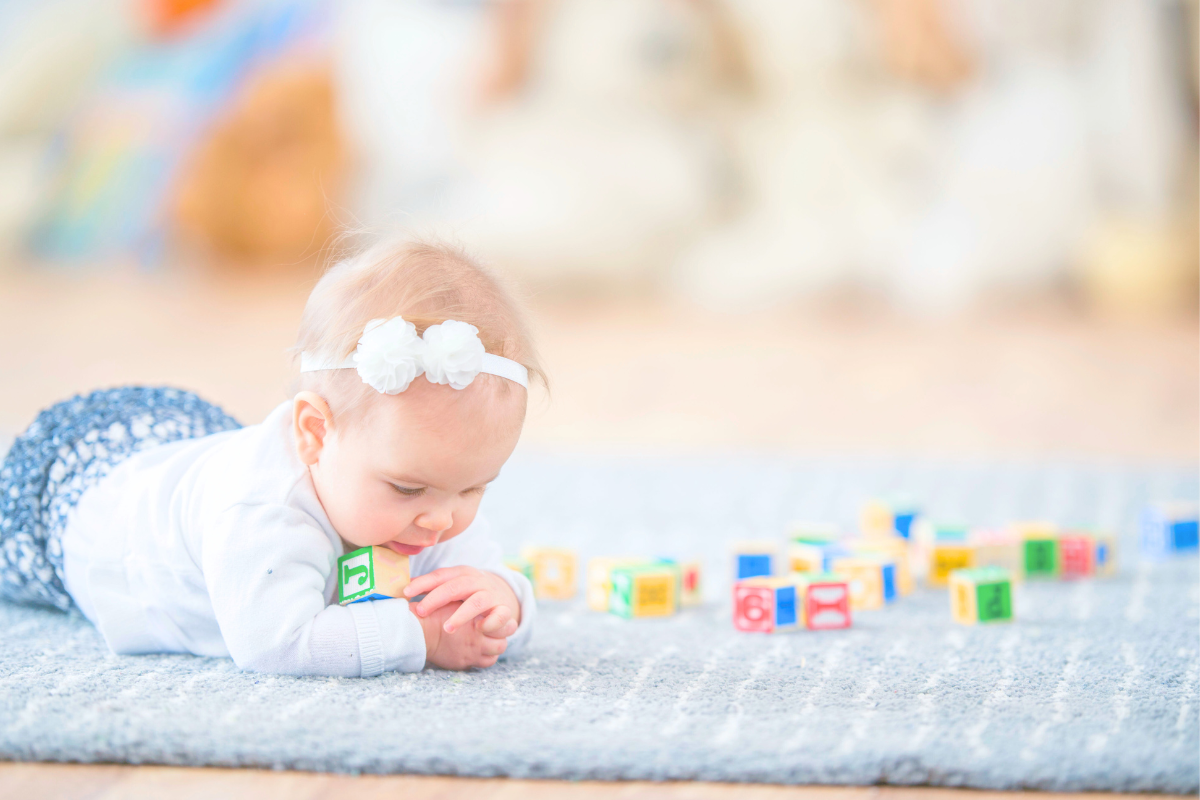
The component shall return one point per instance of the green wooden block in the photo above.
(994, 600)
(371, 573)
(1041, 558)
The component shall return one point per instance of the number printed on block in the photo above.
(766, 605)
(752, 608)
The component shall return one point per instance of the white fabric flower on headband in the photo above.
(390, 355)
(453, 353)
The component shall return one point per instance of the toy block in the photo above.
(1168, 528)
(644, 590)
(812, 532)
(1000, 549)
(754, 559)
(371, 573)
(553, 571)
(945, 557)
(981, 595)
(881, 518)
(1105, 554)
(1077, 555)
(599, 579)
(872, 581)
(766, 605)
(691, 589)
(825, 601)
(905, 517)
(877, 519)
(520, 565)
(814, 557)
(1039, 548)
(895, 550)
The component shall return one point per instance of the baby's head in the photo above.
(407, 469)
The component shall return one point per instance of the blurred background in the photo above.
(963, 228)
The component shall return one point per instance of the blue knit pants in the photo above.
(69, 448)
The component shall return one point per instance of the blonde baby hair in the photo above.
(426, 281)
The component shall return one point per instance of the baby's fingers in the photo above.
(459, 588)
(431, 580)
(493, 647)
(493, 623)
(478, 603)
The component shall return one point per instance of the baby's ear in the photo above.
(311, 421)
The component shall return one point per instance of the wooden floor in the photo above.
(113, 782)
(1009, 382)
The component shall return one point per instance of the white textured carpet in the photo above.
(1095, 687)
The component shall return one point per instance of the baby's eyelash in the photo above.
(476, 490)
(409, 492)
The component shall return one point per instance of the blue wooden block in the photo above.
(903, 523)
(889, 582)
(1168, 528)
(753, 565)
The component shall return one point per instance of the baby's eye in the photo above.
(476, 490)
(409, 492)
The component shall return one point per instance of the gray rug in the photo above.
(1094, 688)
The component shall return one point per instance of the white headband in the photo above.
(390, 356)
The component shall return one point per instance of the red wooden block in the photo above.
(827, 606)
(1077, 556)
(752, 608)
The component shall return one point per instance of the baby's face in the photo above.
(410, 471)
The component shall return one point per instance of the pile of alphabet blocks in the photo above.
(816, 579)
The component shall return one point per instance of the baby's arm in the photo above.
(469, 572)
(269, 572)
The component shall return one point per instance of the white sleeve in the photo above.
(269, 570)
(475, 547)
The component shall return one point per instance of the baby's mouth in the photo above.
(404, 549)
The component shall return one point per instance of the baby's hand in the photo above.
(461, 650)
(483, 594)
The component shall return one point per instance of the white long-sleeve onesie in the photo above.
(219, 547)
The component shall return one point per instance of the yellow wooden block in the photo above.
(864, 577)
(947, 557)
(599, 578)
(898, 551)
(644, 590)
(371, 573)
(554, 571)
(877, 519)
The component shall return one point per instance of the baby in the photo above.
(173, 529)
